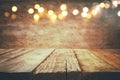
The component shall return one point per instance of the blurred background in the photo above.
(60, 24)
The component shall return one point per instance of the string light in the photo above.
(36, 6)
(64, 13)
(41, 10)
(14, 8)
(63, 7)
(6, 14)
(30, 10)
(75, 12)
(85, 9)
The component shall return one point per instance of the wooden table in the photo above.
(59, 64)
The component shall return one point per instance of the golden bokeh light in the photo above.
(94, 12)
(89, 16)
(107, 5)
(36, 18)
(84, 14)
(41, 10)
(14, 8)
(13, 16)
(63, 7)
(53, 18)
(50, 12)
(115, 3)
(61, 17)
(75, 12)
(102, 5)
(85, 9)
(30, 10)
(64, 13)
(6, 14)
(118, 13)
(36, 6)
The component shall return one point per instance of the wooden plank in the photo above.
(73, 68)
(61, 65)
(54, 67)
(26, 62)
(13, 54)
(110, 56)
(91, 63)
(54, 63)
(3, 51)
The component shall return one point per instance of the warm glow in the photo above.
(102, 5)
(53, 18)
(89, 16)
(31, 11)
(75, 12)
(13, 16)
(64, 13)
(118, 13)
(97, 9)
(41, 10)
(94, 12)
(14, 8)
(107, 5)
(84, 14)
(36, 6)
(50, 12)
(61, 17)
(115, 3)
(36, 18)
(6, 14)
(63, 7)
(85, 9)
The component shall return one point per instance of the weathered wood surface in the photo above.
(91, 63)
(59, 64)
(26, 62)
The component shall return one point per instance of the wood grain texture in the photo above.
(59, 64)
(13, 54)
(109, 55)
(91, 63)
(27, 62)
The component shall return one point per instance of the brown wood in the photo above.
(13, 54)
(3, 51)
(59, 64)
(91, 63)
(26, 62)
(109, 55)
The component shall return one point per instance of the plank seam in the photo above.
(33, 72)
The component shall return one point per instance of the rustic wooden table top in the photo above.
(59, 64)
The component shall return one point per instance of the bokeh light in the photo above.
(107, 5)
(115, 3)
(30, 10)
(64, 13)
(85, 9)
(6, 14)
(53, 18)
(63, 7)
(61, 17)
(14, 8)
(75, 12)
(13, 16)
(94, 12)
(36, 18)
(41, 10)
(102, 5)
(84, 14)
(118, 13)
(89, 16)
(50, 12)
(36, 6)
